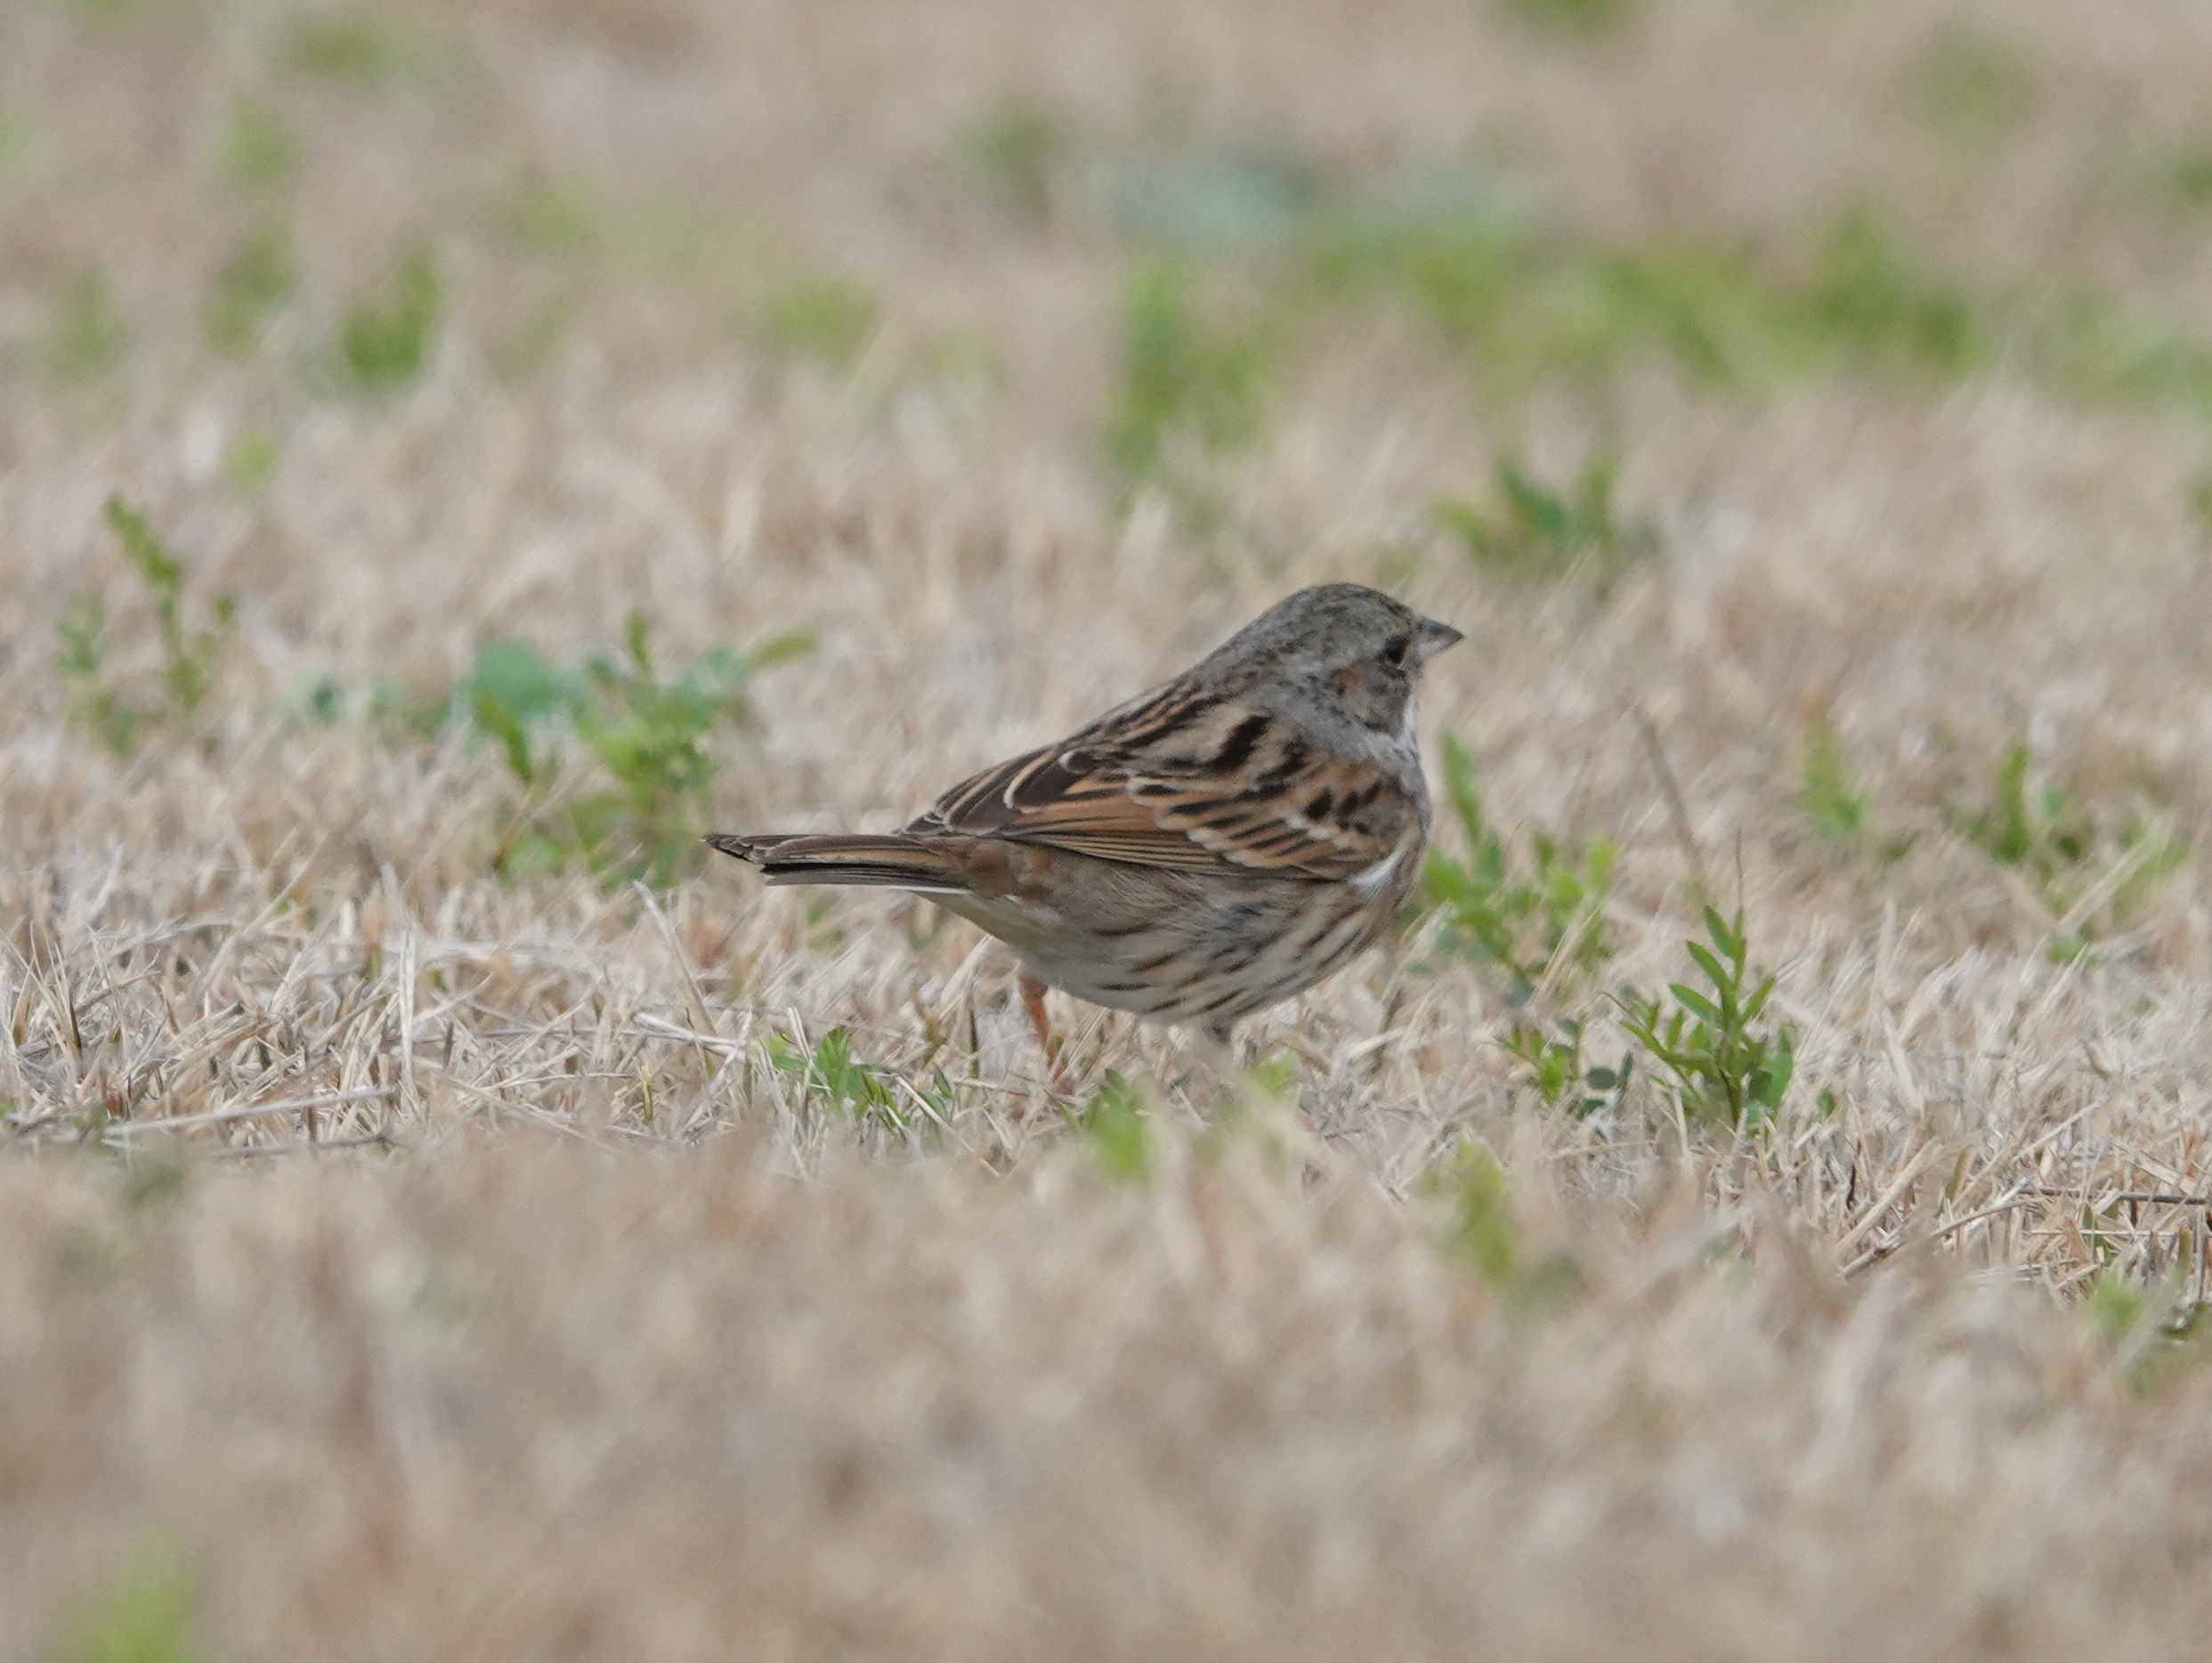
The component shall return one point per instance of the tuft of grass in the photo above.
(1727, 1069)
(2198, 495)
(188, 655)
(257, 152)
(2081, 344)
(88, 335)
(840, 1080)
(1973, 85)
(649, 737)
(1520, 916)
(250, 286)
(385, 337)
(1571, 20)
(828, 318)
(251, 461)
(1187, 381)
(2184, 175)
(1016, 149)
(2026, 823)
(1482, 1229)
(355, 46)
(19, 139)
(99, 699)
(2090, 882)
(1113, 1124)
(145, 1612)
(2150, 1327)
(1555, 1068)
(552, 215)
(1526, 306)
(1829, 793)
(1868, 301)
(1536, 534)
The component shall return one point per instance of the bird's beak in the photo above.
(1431, 637)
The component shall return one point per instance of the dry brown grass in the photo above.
(490, 1294)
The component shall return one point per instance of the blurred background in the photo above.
(572, 309)
(1134, 245)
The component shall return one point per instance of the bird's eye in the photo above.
(1395, 649)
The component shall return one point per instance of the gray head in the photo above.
(1337, 645)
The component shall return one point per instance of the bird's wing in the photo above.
(1185, 780)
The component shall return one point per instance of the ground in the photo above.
(445, 1213)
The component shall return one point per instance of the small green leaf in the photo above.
(385, 340)
(1112, 1123)
(1696, 1003)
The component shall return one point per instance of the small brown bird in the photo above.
(1205, 850)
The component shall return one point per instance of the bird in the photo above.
(1208, 848)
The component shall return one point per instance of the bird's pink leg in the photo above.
(1033, 1001)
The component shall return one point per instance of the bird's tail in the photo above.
(890, 861)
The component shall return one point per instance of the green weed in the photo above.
(647, 736)
(1727, 1069)
(2150, 1327)
(1481, 1230)
(561, 216)
(1556, 1070)
(81, 656)
(386, 336)
(251, 461)
(2027, 825)
(2081, 343)
(146, 1612)
(1536, 534)
(1520, 916)
(829, 318)
(355, 46)
(854, 1087)
(251, 285)
(1972, 85)
(1526, 306)
(1527, 303)
(257, 152)
(1188, 379)
(1112, 1123)
(1829, 793)
(839, 1081)
(2089, 881)
(19, 139)
(1869, 302)
(963, 359)
(2184, 175)
(88, 333)
(1017, 150)
(1574, 20)
(106, 704)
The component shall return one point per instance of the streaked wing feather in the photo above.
(1190, 781)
